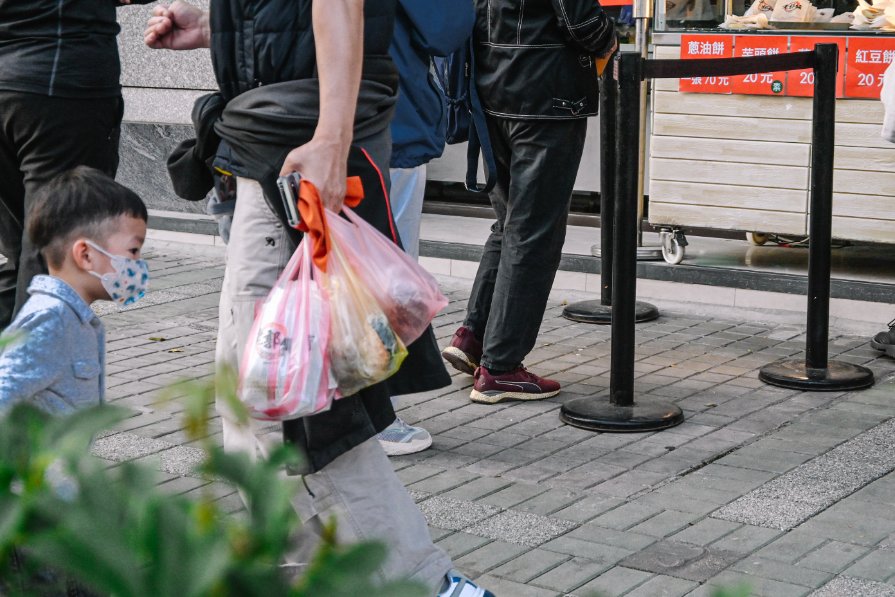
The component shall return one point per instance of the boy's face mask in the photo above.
(130, 280)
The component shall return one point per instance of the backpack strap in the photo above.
(479, 139)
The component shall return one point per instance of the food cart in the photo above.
(732, 153)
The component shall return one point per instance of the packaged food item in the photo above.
(363, 347)
(879, 15)
(285, 371)
(765, 7)
(793, 11)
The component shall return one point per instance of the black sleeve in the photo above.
(586, 24)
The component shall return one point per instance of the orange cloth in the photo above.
(313, 215)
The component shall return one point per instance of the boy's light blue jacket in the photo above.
(58, 363)
(423, 28)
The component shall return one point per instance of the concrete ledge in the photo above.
(752, 292)
(690, 274)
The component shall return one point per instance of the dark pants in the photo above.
(537, 162)
(41, 137)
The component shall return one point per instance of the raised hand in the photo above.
(180, 26)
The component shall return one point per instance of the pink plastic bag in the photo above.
(286, 371)
(363, 348)
(408, 295)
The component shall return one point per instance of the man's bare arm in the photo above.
(338, 37)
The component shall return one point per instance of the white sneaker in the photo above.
(399, 439)
(457, 585)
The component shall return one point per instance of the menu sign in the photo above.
(867, 61)
(706, 46)
(801, 82)
(760, 83)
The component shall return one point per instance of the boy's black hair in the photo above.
(78, 202)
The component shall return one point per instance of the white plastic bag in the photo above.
(285, 371)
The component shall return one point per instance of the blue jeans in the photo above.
(408, 190)
(537, 162)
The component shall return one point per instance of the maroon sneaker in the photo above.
(514, 385)
(464, 352)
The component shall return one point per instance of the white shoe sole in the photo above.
(458, 360)
(481, 398)
(888, 349)
(404, 448)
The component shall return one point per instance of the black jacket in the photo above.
(535, 58)
(259, 42)
(60, 49)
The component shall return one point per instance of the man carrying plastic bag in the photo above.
(295, 74)
(339, 317)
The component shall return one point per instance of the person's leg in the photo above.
(465, 350)
(12, 198)
(53, 135)
(544, 164)
(390, 517)
(479, 307)
(361, 491)
(407, 192)
(257, 252)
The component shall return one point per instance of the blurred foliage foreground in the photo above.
(70, 523)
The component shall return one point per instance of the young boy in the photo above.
(89, 230)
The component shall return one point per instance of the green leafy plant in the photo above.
(114, 531)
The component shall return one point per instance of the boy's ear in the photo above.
(81, 255)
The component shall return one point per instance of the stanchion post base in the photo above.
(839, 376)
(594, 311)
(647, 253)
(596, 413)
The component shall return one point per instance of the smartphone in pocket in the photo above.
(288, 187)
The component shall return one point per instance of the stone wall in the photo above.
(160, 87)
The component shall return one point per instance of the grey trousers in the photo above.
(359, 489)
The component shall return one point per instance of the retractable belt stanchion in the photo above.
(622, 413)
(816, 372)
(600, 311)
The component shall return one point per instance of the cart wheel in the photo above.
(757, 238)
(672, 250)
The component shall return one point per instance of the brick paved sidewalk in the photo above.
(790, 492)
